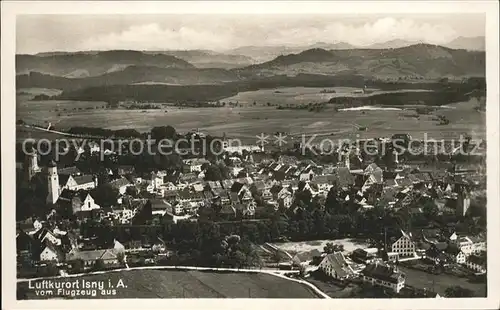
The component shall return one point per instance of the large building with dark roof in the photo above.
(385, 276)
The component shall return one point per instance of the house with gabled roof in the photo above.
(72, 170)
(245, 210)
(108, 257)
(307, 174)
(384, 275)
(476, 262)
(77, 201)
(227, 211)
(123, 170)
(267, 194)
(323, 182)
(404, 245)
(470, 245)
(77, 182)
(304, 258)
(335, 265)
(51, 253)
(456, 254)
(44, 235)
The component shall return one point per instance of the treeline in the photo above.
(311, 107)
(453, 92)
(188, 94)
(205, 243)
(151, 93)
(105, 133)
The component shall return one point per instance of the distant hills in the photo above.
(397, 43)
(266, 53)
(471, 43)
(87, 64)
(130, 75)
(79, 70)
(209, 59)
(419, 60)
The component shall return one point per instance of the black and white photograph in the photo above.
(309, 155)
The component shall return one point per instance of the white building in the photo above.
(335, 265)
(53, 183)
(476, 263)
(385, 276)
(404, 246)
(470, 245)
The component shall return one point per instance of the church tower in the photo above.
(347, 160)
(31, 164)
(53, 183)
(463, 201)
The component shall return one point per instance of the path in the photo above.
(276, 273)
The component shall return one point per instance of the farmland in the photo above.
(246, 120)
(302, 95)
(195, 284)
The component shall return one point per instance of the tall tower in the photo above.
(53, 183)
(463, 201)
(347, 160)
(31, 164)
(396, 156)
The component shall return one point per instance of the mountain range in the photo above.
(419, 60)
(78, 70)
(266, 53)
(87, 64)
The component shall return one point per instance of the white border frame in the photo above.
(8, 38)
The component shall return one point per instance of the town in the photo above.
(407, 215)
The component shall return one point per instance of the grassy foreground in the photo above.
(187, 284)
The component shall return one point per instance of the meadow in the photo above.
(247, 120)
(194, 284)
(302, 95)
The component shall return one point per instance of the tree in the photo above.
(213, 173)
(78, 266)
(430, 209)
(163, 132)
(330, 248)
(99, 264)
(104, 195)
(132, 191)
(277, 257)
(121, 257)
(458, 291)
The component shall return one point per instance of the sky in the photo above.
(44, 33)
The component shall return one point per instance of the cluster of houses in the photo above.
(43, 245)
(66, 248)
(379, 266)
(257, 182)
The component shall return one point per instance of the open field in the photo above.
(301, 95)
(194, 284)
(23, 132)
(305, 246)
(38, 91)
(441, 282)
(248, 121)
